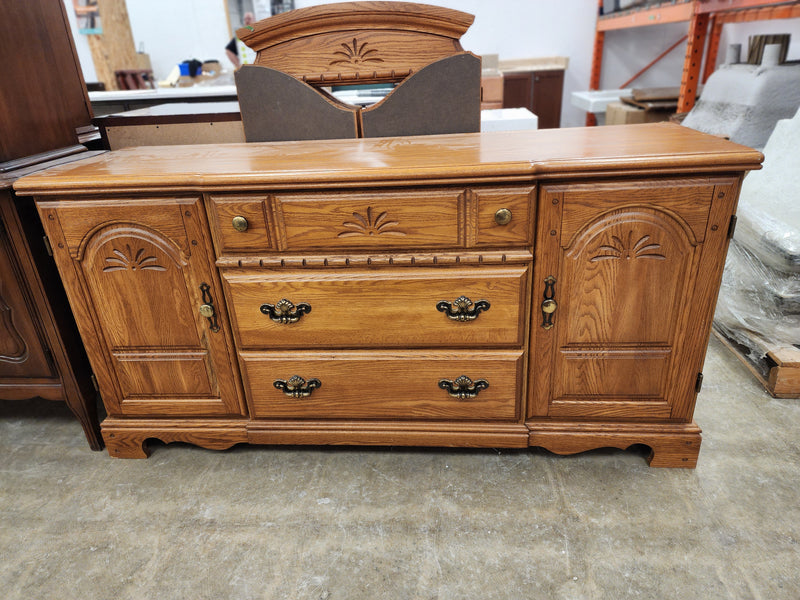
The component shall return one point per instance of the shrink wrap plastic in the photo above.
(759, 301)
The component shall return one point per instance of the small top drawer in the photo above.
(386, 220)
(381, 308)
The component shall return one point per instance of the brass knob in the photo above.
(503, 216)
(239, 223)
(549, 306)
(207, 310)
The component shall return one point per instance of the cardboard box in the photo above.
(492, 88)
(619, 113)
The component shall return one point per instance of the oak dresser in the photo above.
(549, 288)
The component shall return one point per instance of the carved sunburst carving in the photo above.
(619, 249)
(355, 55)
(370, 225)
(123, 261)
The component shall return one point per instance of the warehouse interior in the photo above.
(358, 507)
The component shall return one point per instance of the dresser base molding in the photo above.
(472, 435)
(125, 438)
(671, 445)
(27, 390)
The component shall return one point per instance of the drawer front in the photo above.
(240, 223)
(385, 385)
(373, 220)
(401, 219)
(387, 308)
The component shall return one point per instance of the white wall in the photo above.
(172, 31)
(81, 45)
(175, 30)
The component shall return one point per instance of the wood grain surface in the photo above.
(387, 308)
(383, 385)
(655, 148)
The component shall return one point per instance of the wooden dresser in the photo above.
(539, 288)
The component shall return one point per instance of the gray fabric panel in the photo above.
(277, 107)
(444, 97)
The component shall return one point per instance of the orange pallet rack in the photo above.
(705, 20)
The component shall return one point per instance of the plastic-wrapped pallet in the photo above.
(759, 305)
(743, 102)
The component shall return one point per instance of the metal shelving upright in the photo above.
(705, 20)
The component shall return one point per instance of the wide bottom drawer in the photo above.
(380, 385)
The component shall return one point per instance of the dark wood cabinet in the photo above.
(538, 91)
(41, 354)
(44, 107)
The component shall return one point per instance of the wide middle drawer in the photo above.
(382, 308)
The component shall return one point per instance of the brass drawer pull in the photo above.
(502, 216)
(296, 386)
(240, 223)
(549, 305)
(207, 308)
(462, 309)
(463, 387)
(285, 312)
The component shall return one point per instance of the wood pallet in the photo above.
(781, 364)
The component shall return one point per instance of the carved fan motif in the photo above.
(354, 55)
(123, 261)
(370, 225)
(628, 250)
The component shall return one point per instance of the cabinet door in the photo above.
(137, 273)
(635, 268)
(22, 352)
(548, 88)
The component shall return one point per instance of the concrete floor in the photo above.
(396, 523)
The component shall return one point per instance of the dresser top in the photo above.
(658, 148)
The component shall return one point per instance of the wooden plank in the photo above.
(113, 49)
(658, 93)
(783, 378)
(671, 13)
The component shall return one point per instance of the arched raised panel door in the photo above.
(619, 290)
(146, 274)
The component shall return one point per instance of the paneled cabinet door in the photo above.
(21, 351)
(623, 296)
(141, 281)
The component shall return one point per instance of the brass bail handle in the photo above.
(285, 312)
(462, 309)
(296, 386)
(549, 305)
(463, 387)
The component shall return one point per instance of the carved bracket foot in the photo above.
(671, 445)
(127, 438)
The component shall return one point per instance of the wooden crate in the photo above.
(780, 371)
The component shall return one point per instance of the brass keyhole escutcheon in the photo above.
(240, 223)
(207, 310)
(549, 305)
(502, 216)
